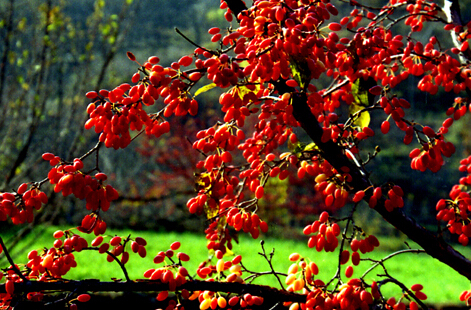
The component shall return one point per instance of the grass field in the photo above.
(442, 284)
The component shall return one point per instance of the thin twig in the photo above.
(116, 259)
(10, 260)
(270, 264)
(193, 43)
(381, 261)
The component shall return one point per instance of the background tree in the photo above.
(289, 71)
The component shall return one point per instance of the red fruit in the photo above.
(183, 257)
(195, 76)
(429, 132)
(162, 296)
(335, 26)
(292, 83)
(103, 248)
(375, 90)
(58, 234)
(385, 126)
(159, 259)
(10, 287)
(83, 298)
(97, 241)
(377, 193)
(100, 176)
(358, 196)
(349, 271)
(263, 226)
(175, 246)
(355, 258)
(153, 60)
(131, 56)
(214, 30)
(48, 156)
(420, 295)
(323, 217)
(115, 241)
(226, 157)
(185, 61)
(259, 192)
(91, 95)
(344, 257)
(464, 46)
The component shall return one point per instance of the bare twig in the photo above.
(10, 260)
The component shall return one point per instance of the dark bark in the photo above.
(432, 244)
(236, 6)
(82, 286)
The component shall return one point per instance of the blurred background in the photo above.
(52, 52)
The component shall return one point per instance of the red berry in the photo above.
(335, 26)
(259, 192)
(385, 126)
(131, 56)
(83, 298)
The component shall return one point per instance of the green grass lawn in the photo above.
(442, 284)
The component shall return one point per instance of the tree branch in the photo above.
(236, 6)
(93, 285)
(433, 245)
(451, 8)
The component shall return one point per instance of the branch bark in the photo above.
(452, 10)
(433, 245)
(92, 285)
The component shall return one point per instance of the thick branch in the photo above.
(451, 8)
(433, 245)
(236, 6)
(266, 292)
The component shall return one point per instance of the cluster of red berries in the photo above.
(332, 189)
(209, 300)
(431, 155)
(350, 295)
(218, 236)
(456, 213)
(117, 112)
(301, 272)
(247, 222)
(117, 245)
(326, 234)
(92, 222)
(56, 261)
(19, 206)
(68, 179)
(173, 275)
(466, 297)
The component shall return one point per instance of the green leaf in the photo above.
(298, 147)
(244, 90)
(363, 118)
(205, 88)
(362, 98)
(360, 91)
(300, 70)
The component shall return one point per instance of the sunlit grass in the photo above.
(442, 284)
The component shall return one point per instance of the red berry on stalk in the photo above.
(83, 298)
(335, 26)
(131, 56)
(259, 192)
(385, 126)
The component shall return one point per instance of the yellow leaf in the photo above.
(205, 88)
(362, 119)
